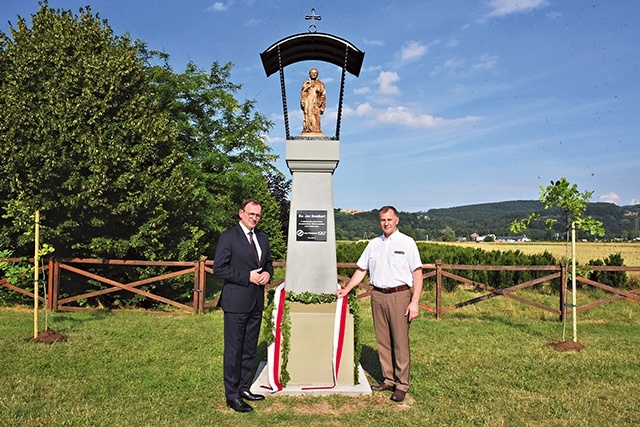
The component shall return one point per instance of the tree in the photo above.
(124, 158)
(280, 187)
(223, 141)
(573, 204)
(564, 195)
(448, 234)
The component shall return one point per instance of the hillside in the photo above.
(486, 218)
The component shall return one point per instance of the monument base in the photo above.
(312, 345)
(261, 386)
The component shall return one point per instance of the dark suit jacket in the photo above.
(233, 262)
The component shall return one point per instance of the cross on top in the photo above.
(313, 17)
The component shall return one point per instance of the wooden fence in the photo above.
(203, 267)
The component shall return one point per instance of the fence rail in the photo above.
(203, 267)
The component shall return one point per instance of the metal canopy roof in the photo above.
(312, 46)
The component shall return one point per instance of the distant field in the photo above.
(584, 251)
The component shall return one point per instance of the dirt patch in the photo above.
(346, 405)
(49, 337)
(566, 346)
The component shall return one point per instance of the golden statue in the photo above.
(313, 100)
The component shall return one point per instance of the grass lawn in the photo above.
(485, 365)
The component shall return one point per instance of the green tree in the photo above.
(573, 203)
(280, 187)
(124, 158)
(223, 141)
(448, 234)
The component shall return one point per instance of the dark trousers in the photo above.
(241, 332)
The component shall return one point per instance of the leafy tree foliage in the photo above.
(562, 194)
(448, 234)
(280, 187)
(223, 142)
(125, 158)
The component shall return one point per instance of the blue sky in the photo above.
(458, 102)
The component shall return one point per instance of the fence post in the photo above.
(196, 287)
(203, 283)
(563, 292)
(53, 284)
(199, 285)
(438, 289)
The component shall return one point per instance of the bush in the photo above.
(615, 279)
(430, 253)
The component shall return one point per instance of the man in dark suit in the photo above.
(243, 260)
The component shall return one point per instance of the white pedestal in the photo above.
(311, 258)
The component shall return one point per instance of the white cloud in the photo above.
(386, 81)
(507, 7)
(219, 6)
(486, 62)
(459, 65)
(275, 140)
(371, 42)
(452, 43)
(405, 117)
(412, 51)
(554, 15)
(610, 198)
(448, 65)
(362, 91)
(635, 202)
(362, 110)
(454, 63)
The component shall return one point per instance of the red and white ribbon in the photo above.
(274, 349)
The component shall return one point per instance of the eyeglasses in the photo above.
(252, 215)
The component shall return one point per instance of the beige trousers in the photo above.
(392, 336)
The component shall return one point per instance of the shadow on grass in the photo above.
(92, 316)
(371, 363)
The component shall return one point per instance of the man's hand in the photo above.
(412, 311)
(357, 277)
(342, 292)
(259, 277)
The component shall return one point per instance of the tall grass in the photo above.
(484, 365)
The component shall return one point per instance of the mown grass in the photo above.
(484, 365)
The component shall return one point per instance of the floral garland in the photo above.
(308, 298)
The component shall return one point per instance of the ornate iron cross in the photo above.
(313, 17)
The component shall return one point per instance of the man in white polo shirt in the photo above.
(395, 270)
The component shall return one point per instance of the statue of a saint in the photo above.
(313, 100)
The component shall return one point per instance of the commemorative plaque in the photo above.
(311, 226)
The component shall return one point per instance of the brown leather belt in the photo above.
(391, 290)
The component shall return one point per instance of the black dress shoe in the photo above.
(239, 405)
(398, 395)
(250, 396)
(382, 387)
